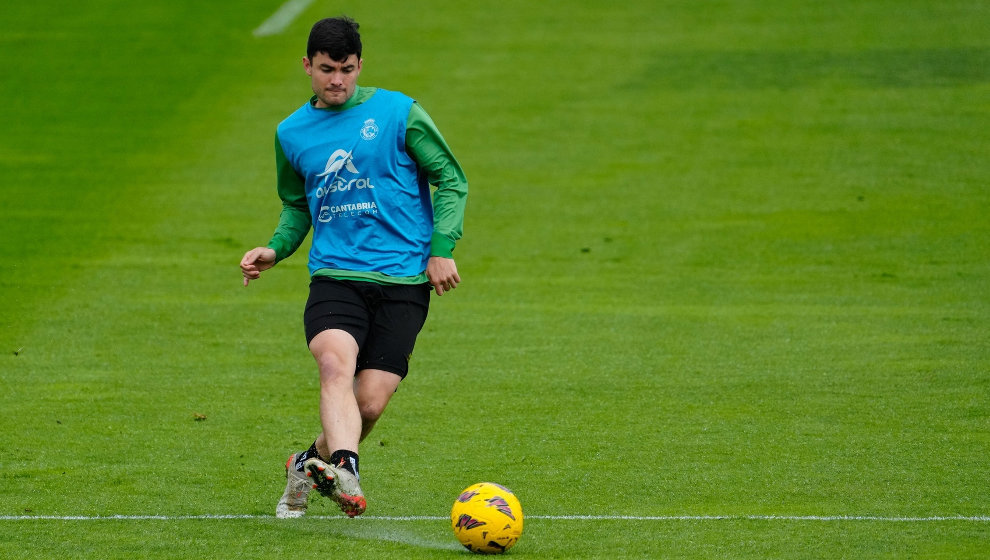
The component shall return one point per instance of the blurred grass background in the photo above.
(720, 258)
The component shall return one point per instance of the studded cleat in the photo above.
(338, 484)
(297, 487)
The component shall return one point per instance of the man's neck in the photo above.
(361, 94)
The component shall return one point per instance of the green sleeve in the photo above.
(295, 220)
(426, 145)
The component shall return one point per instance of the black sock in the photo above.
(310, 453)
(348, 460)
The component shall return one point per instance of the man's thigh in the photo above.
(334, 304)
(399, 316)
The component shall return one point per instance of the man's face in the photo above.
(333, 82)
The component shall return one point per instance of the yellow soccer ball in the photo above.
(487, 518)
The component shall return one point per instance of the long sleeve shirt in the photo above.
(425, 146)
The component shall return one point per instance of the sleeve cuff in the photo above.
(279, 249)
(441, 246)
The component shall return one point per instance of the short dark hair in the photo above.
(338, 37)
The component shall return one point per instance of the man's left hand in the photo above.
(442, 273)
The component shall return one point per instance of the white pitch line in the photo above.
(977, 518)
(820, 518)
(285, 15)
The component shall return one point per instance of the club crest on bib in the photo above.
(370, 130)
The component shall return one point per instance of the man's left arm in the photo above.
(426, 145)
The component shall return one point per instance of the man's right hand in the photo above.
(256, 260)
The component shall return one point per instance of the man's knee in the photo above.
(333, 366)
(371, 407)
(335, 353)
(374, 389)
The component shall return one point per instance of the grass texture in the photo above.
(723, 262)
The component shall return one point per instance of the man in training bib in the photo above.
(357, 164)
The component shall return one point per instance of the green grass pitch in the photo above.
(726, 281)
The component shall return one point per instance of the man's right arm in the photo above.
(295, 220)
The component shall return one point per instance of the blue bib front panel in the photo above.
(370, 204)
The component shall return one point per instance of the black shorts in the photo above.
(384, 320)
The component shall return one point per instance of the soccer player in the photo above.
(357, 164)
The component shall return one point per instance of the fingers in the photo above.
(254, 261)
(450, 283)
(248, 268)
(445, 284)
(251, 257)
(250, 272)
(250, 275)
(442, 273)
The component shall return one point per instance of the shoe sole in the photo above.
(353, 506)
(323, 482)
